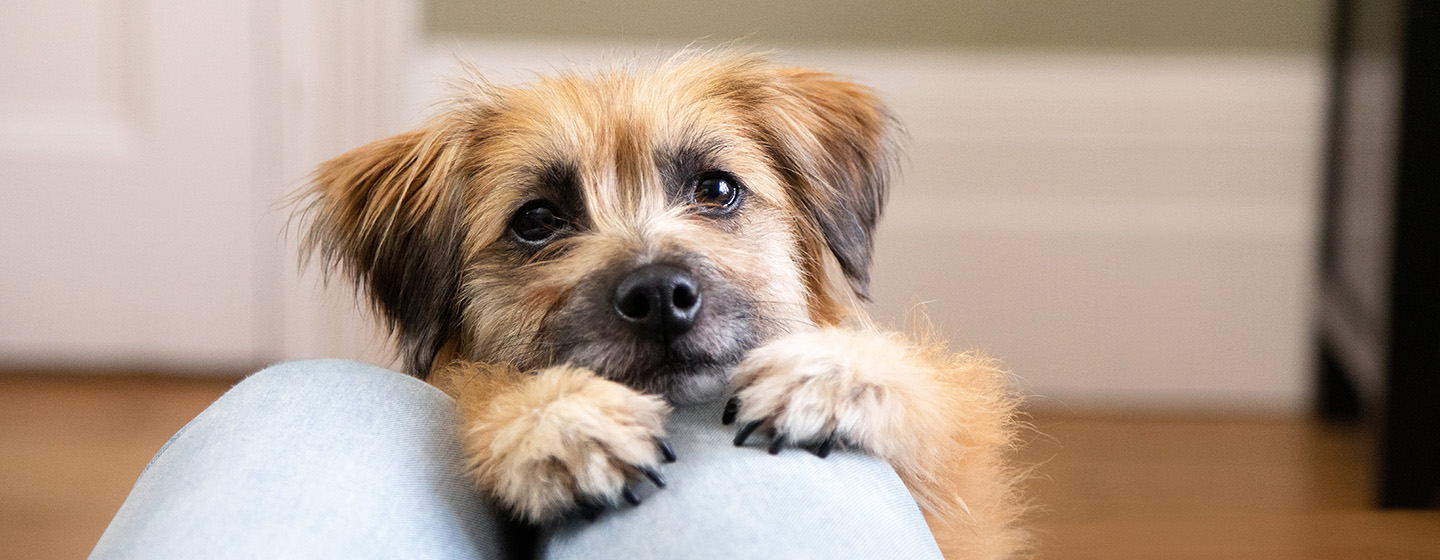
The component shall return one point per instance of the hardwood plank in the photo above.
(72, 445)
(1117, 487)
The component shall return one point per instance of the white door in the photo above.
(143, 146)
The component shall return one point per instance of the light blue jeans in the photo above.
(336, 459)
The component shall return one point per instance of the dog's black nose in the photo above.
(658, 300)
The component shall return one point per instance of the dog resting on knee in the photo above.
(571, 258)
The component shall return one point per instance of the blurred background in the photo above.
(1125, 201)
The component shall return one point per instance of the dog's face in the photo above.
(652, 226)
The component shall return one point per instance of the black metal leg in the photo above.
(1336, 398)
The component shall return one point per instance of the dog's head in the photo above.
(651, 225)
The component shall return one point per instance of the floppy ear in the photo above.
(837, 143)
(387, 216)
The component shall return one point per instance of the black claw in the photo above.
(653, 476)
(826, 446)
(746, 431)
(731, 409)
(776, 443)
(630, 496)
(665, 451)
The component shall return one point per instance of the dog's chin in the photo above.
(685, 373)
(683, 384)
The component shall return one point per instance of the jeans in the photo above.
(336, 459)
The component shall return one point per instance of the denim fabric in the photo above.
(727, 503)
(336, 459)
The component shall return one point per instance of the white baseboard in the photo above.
(1124, 230)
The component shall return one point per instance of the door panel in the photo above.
(128, 211)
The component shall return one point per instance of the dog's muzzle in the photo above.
(674, 328)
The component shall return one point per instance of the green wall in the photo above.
(1097, 25)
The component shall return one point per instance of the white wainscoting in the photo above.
(1129, 231)
(338, 83)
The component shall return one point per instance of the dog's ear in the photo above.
(385, 214)
(837, 144)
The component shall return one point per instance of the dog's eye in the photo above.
(717, 190)
(536, 221)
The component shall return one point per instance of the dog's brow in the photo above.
(559, 182)
(680, 162)
(556, 175)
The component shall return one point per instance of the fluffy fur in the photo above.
(562, 398)
(557, 434)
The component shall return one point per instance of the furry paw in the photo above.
(566, 440)
(826, 387)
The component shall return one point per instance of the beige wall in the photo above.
(1122, 229)
(1116, 198)
(1089, 25)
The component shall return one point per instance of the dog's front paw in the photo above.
(826, 387)
(566, 440)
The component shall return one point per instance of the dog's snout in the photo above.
(658, 300)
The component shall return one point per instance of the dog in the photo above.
(572, 257)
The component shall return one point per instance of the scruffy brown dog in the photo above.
(572, 257)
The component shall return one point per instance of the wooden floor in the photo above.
(1110, 487)
(1178, 488)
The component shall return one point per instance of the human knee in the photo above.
(323, 376)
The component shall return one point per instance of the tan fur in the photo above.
(420, 222)
(944, 421)
(537, 441)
